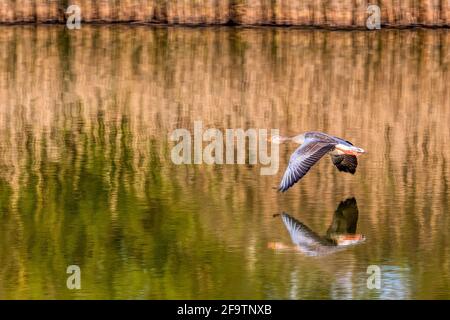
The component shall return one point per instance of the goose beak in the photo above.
(360, 151)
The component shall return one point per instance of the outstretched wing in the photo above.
(345, 162)
(303, 159)
(300, 233)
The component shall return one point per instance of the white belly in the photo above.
(344, 149)
(337, 152)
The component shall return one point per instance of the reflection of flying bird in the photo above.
(313, 146)
(345, 218)
(340, 234)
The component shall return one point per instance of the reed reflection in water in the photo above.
(86, 176)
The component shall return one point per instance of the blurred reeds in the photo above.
(325, 13)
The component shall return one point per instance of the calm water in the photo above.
(86, 177)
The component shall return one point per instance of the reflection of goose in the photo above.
(313, 146)
(345, 218)
(340, 234)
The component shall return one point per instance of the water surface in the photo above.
(86, 177)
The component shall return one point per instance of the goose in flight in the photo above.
(340, 234)
(313, 146)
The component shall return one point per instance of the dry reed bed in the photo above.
(334, 13)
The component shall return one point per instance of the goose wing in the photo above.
(303, 159)
(300, 234)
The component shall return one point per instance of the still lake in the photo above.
(86, 176)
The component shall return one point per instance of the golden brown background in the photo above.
(86, 176)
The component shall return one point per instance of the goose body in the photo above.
(313, 146)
